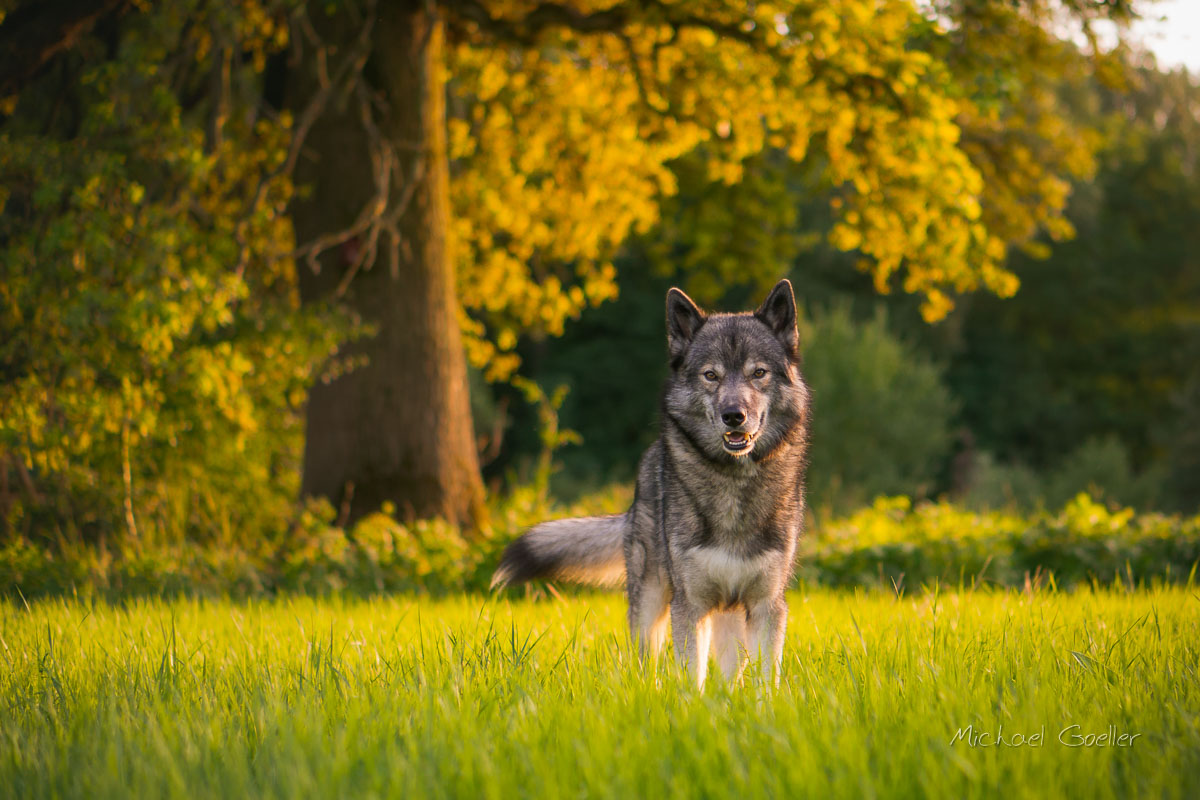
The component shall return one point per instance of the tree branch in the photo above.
(616, 21)
(394, 191)
(527, 29)
(38, 30)
(345, 77)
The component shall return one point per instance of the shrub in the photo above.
(897, 543)
(317, 556)
(1101, 467)
(893, 543)
(153, 353)
(881, 421)
(993, 485)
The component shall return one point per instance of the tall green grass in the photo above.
(474, 697)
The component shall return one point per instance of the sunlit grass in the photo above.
(477, 697)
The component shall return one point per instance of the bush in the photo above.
(154, 357)
(896, 543)
(1101, 467)
(891, 543)
(881, 418)
(993, 485)
(317, 556)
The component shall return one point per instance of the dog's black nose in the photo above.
(732, 416)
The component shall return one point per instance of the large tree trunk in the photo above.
(399, 428)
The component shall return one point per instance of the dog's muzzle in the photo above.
(738, 442)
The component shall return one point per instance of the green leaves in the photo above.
(1085, 542)
(882, 414)
(137, 340)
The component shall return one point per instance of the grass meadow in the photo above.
(472, 696)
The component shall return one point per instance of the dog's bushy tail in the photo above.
(584, 550)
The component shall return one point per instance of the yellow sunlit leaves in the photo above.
(563, 149)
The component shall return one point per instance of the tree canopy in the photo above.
(936, 135)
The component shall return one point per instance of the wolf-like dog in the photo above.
(711, 536)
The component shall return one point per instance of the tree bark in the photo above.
(399, 428)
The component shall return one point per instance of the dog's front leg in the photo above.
(729, 643)
(648, 603)
(691, 630)
(767, 622)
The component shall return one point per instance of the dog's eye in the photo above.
(760, 372)
(709, 375)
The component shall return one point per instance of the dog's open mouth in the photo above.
(738, 442)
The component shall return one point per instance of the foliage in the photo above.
(714, 236)
(990, 484)
(153, 353)
(469, 697)
(567, 142)
(1012, 67)
(896, 543)
(881, 414)
(1101, 466)
(614, 360)
(914, 545)
(1183, 449)
(1100, 340)
(318, 555)
(1103, 338)
(549, 432)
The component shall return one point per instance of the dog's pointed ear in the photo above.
(684, 318)
(778, 312)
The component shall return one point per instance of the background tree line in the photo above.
(248, 250)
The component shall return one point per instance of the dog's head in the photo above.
(735, 386)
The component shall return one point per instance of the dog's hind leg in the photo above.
(729, 641)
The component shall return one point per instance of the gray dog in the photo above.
(712, 532)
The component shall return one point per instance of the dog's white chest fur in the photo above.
(731, 573)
